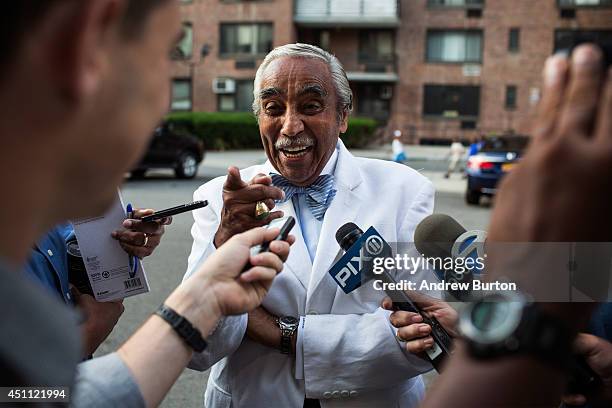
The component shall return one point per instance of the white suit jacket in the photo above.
(350, 355)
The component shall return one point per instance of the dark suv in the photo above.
(173, 146)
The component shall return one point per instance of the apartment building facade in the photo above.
(436, 69)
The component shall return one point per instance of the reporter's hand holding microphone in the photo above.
(218, 288)
(228, 291)
(410, 326)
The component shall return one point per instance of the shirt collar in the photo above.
(330, 167)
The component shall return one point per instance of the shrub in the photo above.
(359, 133)
(221, 130)
(225, 130)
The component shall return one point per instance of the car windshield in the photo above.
(505, 144)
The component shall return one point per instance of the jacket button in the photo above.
(344, 393)
(50, 252)
(353, 393)
(313, 312)
(327, 395)
(336, 394)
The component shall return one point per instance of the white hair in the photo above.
(299, 50)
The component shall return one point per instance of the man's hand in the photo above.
(555, 193)
(558, 193)
(598, 355)
(100, 319)
(141, 238)
(218, 288)
(239, 201)
(410, 326)
(568, 163)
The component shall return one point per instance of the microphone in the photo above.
(354, 269)
(439, 237)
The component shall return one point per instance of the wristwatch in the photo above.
(505, 323)
(288, 326)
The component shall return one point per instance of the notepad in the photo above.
(107, 264)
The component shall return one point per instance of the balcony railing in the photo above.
(584, 3)
(456, 3)
(354, 13)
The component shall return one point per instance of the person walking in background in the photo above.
(455, 154)
(397, 147)
(475, 146)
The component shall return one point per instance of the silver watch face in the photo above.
(492, 319)
(288, 321)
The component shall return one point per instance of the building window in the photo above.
(514, 40)
(184, 48)
(376, 46)
(455, 3)
(181, 95)
(451, 101)
(245, 39)
(511, 91)
(374, 100)
(566, 39)
(239, 101)
(455, 46)
(584, 3)
(324, 40)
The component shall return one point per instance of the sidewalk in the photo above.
(429, 160)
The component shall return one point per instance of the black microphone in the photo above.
(347, 236)
(439, 237)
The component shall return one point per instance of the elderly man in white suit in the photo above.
(310, 344)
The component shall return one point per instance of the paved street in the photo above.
(165, 269)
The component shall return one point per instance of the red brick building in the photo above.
(437, 69)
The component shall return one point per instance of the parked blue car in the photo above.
(498, 155)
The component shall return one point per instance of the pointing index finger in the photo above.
(233, 181)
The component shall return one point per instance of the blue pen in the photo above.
(133, 261)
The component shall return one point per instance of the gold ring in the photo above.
(261, 210)
(398, 338)
(146, 240)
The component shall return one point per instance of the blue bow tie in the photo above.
(319, 194)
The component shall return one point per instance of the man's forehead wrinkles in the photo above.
(271, 91)
(312, 88)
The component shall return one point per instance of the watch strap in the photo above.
(183, 328)
(285, 346)
(545, 336)
(538, 334)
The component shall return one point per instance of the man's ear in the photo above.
(82, 36)
(344, 121)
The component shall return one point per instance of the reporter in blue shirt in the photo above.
(48, 265)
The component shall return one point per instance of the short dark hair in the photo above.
(18, 16)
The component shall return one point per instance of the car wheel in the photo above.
(472, 197)
(187, 166)
(138, 174)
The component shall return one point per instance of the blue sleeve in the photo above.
(48, 262)
(105, 382)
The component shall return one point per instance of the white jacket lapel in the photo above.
(298, 262)
(344, 208)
